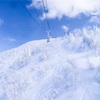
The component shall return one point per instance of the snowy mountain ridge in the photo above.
(66, 67)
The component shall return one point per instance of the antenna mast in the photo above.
(45, 6)
(48, 35)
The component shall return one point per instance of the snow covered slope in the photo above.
(57, 70)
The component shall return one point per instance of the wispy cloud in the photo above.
(95, 19)
(69, 8)
(10, 39)
(1, 22)
(65, 28)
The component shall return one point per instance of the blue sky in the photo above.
(17, 27)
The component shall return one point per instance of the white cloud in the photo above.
(69, 8)
(11, 39)
(1, 22)
(65, 28)
(95, 19)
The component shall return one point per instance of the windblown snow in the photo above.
(62, 69)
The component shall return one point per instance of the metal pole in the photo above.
(48, 36)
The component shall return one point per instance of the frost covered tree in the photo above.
(92, 36)
(83, 39)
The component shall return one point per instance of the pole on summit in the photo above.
(45, 7)
(48, 35)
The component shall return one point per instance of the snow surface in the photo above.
(62, 69)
